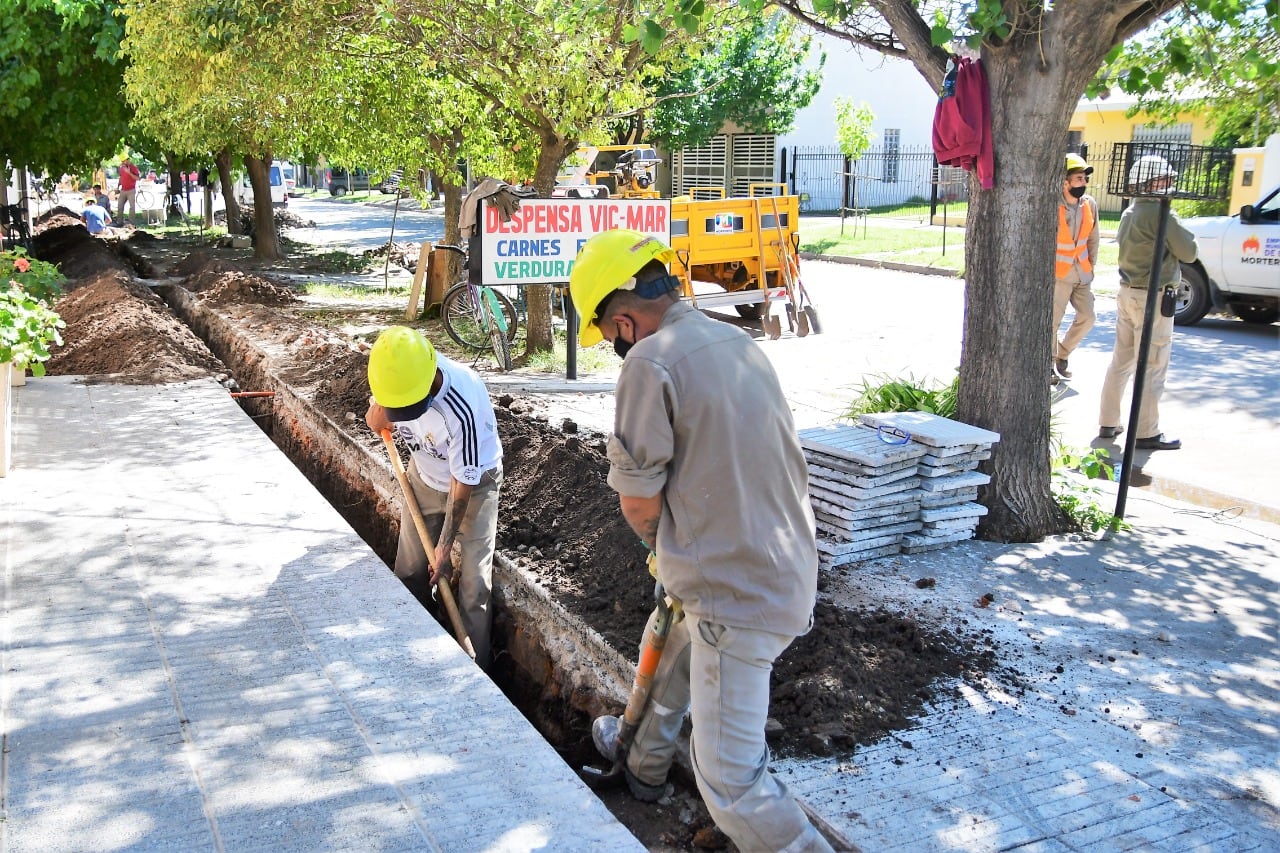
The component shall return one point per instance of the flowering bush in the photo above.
(42, 280)
(28, 326)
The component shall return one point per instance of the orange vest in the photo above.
(1072, 251)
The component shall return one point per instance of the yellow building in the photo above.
(1097, 125)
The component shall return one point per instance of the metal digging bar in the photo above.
(1204, 174)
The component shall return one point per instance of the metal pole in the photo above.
(570, 340)
(1140, 372)
(844, 195)
(391, 244)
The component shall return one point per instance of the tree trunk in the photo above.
(1009, 248)
(266, 242)
(173, 186)
(223, 161)
(538, 296)
(452, 233)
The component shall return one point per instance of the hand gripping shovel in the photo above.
(654, 642)
(428, 544)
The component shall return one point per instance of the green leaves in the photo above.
(853, 127)
(28, 327)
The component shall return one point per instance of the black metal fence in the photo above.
(1204, 173)
(888, 180)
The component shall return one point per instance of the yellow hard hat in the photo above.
(402, 367)
(609, 261)
(1076, 163)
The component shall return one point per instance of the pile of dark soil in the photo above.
(117, 326)
(223, 283)
(59, 238)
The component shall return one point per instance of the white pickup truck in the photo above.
(1238, 265)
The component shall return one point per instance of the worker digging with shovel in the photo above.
(441, 411)
(710, 475)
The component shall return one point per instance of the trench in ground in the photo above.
(558, 671)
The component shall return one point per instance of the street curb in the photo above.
(887, 265)
(1201, 496)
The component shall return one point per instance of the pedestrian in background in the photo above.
(1136, 235)
(716, 485)
(100, 196)
(1076, 257)
(95, 217)
(442, 413)
(129, 176)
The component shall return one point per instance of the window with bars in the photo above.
(754, 161)
(700, 167)
(1179, 134)
(892, 154)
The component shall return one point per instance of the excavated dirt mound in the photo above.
(236, 286)
(117, 326)
(60, 238)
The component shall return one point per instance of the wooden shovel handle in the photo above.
(428, 545)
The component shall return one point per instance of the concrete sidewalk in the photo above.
(1139, 703)
(200, 654)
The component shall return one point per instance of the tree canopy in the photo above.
(1195, 60)
(60, 78)
(752, 73)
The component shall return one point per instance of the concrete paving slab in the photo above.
(199, 653)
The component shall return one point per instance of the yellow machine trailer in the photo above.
(748, 247)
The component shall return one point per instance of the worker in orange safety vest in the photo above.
(1077, 253)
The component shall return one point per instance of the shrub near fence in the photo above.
(886, 180)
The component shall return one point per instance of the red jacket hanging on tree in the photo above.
(962, 121)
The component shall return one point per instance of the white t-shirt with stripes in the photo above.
(458, 434)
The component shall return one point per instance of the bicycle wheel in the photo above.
(497, 337)
(143, 199)
(463, 321)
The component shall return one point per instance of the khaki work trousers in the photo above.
(477, 536)
(131, 197)
(1081, 298)
(729, 702)
(1130, 307)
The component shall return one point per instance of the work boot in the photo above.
(604, 734)
(1158, 442)
(1061, 365)
(1109, 432)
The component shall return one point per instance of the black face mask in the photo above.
(1077, 192)
(622, 347)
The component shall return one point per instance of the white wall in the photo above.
(895, 91)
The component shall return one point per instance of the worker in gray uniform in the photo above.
(710, 475)
(1150, 174)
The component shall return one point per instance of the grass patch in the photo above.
(918, 245)
(599, 358)
(352, 292)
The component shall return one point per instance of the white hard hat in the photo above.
(1147, 168)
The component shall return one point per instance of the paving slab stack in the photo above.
(865, 491)
(896, 482)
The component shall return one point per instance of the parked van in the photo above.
(279, 190)
(342, 181)
(290, 179)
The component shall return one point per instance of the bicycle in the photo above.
(143, 199)
(45, 192)
(477, 316)
(14, 229)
